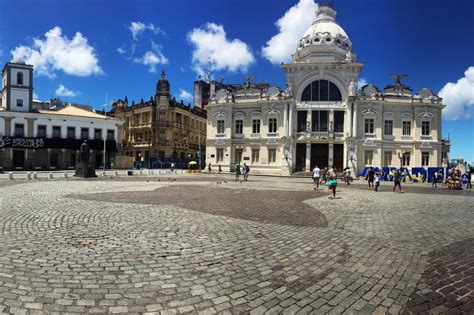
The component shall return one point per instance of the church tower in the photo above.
(17, 87)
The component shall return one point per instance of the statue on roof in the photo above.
(398, 81)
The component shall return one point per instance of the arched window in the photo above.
(19, 78)
(321, 91)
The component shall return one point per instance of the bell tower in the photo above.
(17, 87)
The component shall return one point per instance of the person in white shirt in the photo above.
(316, 176)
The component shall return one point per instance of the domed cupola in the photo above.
(325, 39)
(163, 86)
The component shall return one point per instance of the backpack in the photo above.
(247, 168)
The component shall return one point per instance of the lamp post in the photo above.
(400, 156)
(105, 128)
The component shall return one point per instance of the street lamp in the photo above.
(105, 127)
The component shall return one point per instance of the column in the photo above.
(355, 121)
(330, 154)
(309, 117)
(331, 121)
(285, 120)
(308, 157)
(345, 163)
(290, 121)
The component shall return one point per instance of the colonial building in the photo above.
(322, 118)
(161, 130)
(48, 135)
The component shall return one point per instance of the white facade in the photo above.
(33, 136)
(323, 118)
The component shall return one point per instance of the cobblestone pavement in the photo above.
(380, 252)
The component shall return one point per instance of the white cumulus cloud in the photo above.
(211, 45)
(185, 95)
(152, 60)
(63, 91)
(57, 52)
(292, 26)
(459, 97)
(362, 82)
(137, 28)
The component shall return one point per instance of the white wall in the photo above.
(26, 76)
(2, 126)
(76, 122)
(19, 94)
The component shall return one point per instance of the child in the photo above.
(377, 181)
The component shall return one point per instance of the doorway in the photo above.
(19, 158)
(319, 155)
(338, 162)
(300, 157)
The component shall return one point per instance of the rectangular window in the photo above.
(425, 158)
(406, 128)
(220, 126)
(98, 134)
(388, 128)
(19, 130)
(319, 120)
(84, 133)
(19, 103)
(239, 126)
(255, 155)
(220, 155)
(387, 158)
(256, 126)
(271, 155)
(272, 125)
(71, 132)
(369, 126)
(425, 128)
(301, 125)
(338, 121)
(110, 134)
(41, 132)
(368, 157)
(406, 159)
(56, 131)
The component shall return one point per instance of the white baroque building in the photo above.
(322, 118)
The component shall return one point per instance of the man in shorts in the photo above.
(316, 177)
(397, 180)
(370, 177)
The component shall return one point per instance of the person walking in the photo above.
(220, 169)
(397, 180)
(245, 171)
(209, 167)
(324, 175)
(237, 172)
(370, 177)
(331, 183)
(316, 177)
(377, 182)
(468, 175)
(347, 175)
(434, 179)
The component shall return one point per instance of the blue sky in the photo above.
(430, 40)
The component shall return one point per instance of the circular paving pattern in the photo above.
(164, 250)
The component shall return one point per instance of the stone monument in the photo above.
(84, 168)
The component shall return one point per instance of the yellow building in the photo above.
(161, 131)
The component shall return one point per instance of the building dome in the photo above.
(163, 85)
(325, 31)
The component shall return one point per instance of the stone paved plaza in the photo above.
(203, 244)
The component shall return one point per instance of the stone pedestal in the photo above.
(85, 170)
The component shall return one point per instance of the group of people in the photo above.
(209, 168)
(454, 179)
(244, 170)
(374, 178)
(327, 176)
